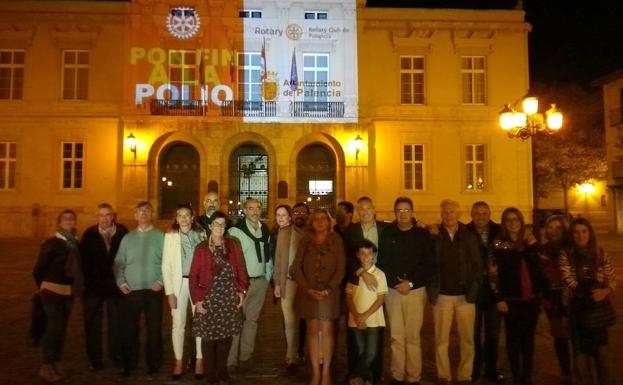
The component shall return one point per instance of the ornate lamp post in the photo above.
(529, 121)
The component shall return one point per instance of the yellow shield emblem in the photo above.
(269, 89)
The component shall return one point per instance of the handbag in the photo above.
(600, 315)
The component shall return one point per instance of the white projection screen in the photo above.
(258, 61)
(301, 58)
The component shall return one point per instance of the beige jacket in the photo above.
(286, 247)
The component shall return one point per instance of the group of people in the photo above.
(475, 274)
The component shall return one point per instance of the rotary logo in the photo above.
(183, 22)
(294, 31)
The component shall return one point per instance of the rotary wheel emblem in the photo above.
(183, 22)
(294, 31)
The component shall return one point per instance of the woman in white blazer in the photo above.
(177, 254)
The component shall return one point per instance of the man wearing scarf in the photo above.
(253, 236)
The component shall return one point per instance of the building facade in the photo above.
(612, 91)
(282, 101)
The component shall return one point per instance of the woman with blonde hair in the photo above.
(318, 270)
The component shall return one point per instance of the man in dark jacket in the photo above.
(211, 203)
(367, 228)
(406, 258)
(98, 248)
(486, 313)
(453, 291)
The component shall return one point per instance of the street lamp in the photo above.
(358, 146)
(131, 142)
(529, 121)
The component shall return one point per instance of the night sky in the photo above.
(570, 42)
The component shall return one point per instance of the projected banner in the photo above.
(258, 61)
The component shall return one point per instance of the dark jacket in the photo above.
(470, 264)
(51, 263)
(406, 255)
(353, 235)
(485, 296)
(505, 270)
(97, 263)
(204, 221)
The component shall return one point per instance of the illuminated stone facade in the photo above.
(429, 85)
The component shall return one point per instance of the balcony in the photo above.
(317, 109)
(615, 117)
(178, 107)
(249, 108)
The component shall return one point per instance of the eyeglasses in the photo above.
(404, 211)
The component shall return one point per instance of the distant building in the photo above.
(283, 101)
(612, 89)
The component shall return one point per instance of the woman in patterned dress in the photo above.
(318, 270)
(218, 283)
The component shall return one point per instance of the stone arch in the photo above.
(158, 148)
(234, 143)
(334, 147)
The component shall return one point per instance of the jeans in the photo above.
(489, 319)
(520, 325)
(367, 343)
(93, 307)
(132, 305)
(57, 312)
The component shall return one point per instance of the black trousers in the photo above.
(520, 325)
(57, 310)
(131, 306)
(488, 320)
(215, 353)
(93, 319)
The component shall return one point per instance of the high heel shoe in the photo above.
(199, 372)
(179, 367)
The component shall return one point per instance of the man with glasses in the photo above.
(406, 257)
(254, 237)
(138, 270)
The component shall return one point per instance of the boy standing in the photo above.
(365, 319)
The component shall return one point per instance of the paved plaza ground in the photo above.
(19, 361)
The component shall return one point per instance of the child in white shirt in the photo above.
(365, 319)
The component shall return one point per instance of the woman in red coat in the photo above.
(218, 282)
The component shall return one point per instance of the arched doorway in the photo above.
(316, 177)
(178, 180)
(248, 176)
